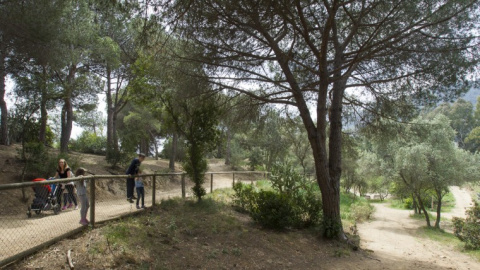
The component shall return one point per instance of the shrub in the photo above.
(244, 197)
(361, 212)
(408, 203)
(273, 210)
(293, 202)
(468, 229)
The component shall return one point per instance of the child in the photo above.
(140, 190)
(82, 195)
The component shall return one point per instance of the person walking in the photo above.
(140, 190)
(81, 186)
(131, 171)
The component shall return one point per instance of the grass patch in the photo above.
(447, 239)
(397, 204)
(448, 203)
(438, 235)
(263, 184)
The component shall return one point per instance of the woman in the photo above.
(63, 171)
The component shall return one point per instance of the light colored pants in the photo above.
(85, 205)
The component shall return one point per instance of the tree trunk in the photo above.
(144, 146)
(110, 114)
(43, 108)
(3, 104)
(439, 208)
(155, 144)
(67, 111)
(422, 207)
(173, 153)
(67, 121)
(414, 205)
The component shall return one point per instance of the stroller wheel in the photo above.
(56, 209)
(37, 212)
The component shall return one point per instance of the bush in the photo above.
(293, 202)
(468, 230)
(408, 203)
(244, 197)
(273, 210)
(361, 212)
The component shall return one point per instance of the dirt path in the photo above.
(391, 237)
(20, 233)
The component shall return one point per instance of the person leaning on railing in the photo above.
(133, 170)
(81, 186)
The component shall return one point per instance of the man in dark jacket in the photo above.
(131, 171)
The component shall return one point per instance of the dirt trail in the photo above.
(391, 237)
(20, 233)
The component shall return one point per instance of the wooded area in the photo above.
(346, 90)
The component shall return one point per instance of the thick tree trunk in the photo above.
(144, 146)
(67, 111)
(3, 104)
(67, 122)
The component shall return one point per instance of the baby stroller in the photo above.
(45, 199)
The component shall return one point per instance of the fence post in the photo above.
(233, 184)
(183, 186)
(154, 190)
(92, 202)
(211, 182)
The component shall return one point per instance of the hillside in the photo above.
(183, 234)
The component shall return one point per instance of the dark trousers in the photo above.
(70, 195)
(141, 194)
(130, 187)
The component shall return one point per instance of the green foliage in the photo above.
(285, 179)
(468, 229)
(354, 209)
(291, 201)
(167, 148)
(38, 160)
(118, 157)
(361, 212)
(237, 153)
(23, 129)
(90, 143)
(273, 210)
(201, 135)
(244, 197)
(408, 203)
(255, 158)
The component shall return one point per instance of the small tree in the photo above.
(199, 129)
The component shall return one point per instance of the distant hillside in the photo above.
(472, 96)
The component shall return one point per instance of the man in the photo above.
(131, 171)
